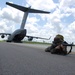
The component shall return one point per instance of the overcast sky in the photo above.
(61, 20)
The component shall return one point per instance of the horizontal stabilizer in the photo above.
(24, 9)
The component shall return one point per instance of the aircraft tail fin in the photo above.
(24, 9)
(24, 20)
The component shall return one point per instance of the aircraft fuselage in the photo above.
(17, 35)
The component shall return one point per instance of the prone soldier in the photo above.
(58, 46)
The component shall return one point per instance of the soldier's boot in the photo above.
(47, 49)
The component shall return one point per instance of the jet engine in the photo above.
(2, 36)
(30, 38)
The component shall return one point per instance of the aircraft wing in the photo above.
(5, 34)
(30, 38)
(24, 9)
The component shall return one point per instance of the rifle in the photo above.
(71, 45)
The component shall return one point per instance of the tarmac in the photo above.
(31, 59)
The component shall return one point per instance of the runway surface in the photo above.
(28, 59)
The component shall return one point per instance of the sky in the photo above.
(61, 20)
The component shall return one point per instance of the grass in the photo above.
(31, 42)
(1, 40)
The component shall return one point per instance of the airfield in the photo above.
(31, 59)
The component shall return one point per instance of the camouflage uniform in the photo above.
(57, 46)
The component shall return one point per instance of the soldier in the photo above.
(57, 46)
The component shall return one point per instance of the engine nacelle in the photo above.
(2, 36)
(30, 38)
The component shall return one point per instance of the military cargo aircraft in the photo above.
(19, 34)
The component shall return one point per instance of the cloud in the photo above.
(42, 4)
(67, 3)
(10, 14)
(72, 27)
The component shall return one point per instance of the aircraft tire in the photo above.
(8, 41)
